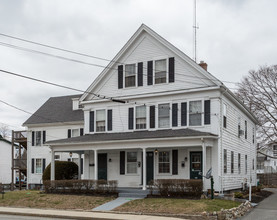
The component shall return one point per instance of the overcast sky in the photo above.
(233, 37)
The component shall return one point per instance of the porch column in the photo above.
(86, 165)
(144, 169)
(95, 165)
(79, 167)
(52, 164)
(204, 161)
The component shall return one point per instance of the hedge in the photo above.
(177, 188)
(99, 187)
(64, 170)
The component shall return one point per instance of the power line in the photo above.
(81, 54)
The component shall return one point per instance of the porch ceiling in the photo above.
(136, 135)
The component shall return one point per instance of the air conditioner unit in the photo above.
(241, 132)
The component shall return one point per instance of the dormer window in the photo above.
(160, 71)
(130, 75)
(100, 120)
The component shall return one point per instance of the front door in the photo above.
(102, 166)
(149, 167)
(195, 165)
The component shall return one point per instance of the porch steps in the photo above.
(132, 193)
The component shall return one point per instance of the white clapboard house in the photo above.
(152, 113)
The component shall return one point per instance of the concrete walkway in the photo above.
(77, 214)
(113, 204)
(266, 210)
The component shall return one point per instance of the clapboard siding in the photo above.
(232, 142)
(146, 49)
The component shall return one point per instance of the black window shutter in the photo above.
(120, 76)
(131, 119)
(82, 165)
(152, 116)
(207, 112)
(140, 74)
(110, 119)
(91, 121)
(150, 73)
(81, 131)
(175, 162)
(184, 114)
(69, 133)
(33, 138)
(122, 162)
(43, 137)
(33, 165)
(174, 115)
(43, 164)
(171, 69)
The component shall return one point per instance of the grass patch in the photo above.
(35, 199)
(176, 206)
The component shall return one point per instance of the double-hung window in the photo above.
(232, 161)
(195, 113)
(275, 150)
(130, 75)
(38, 138)
(131, 162)
(164, 116)
(239, 164)
(225, 161)
(245, 164)
(140, 117)
(164, 163)
(160, 71)
(224, 115)
(38, 166)
(75, 132)
(100, 120)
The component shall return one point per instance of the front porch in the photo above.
(133, 163)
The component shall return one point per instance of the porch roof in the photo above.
(166, 133)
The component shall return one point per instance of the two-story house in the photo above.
(153, 113)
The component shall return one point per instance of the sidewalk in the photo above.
(266, 210)
(77, 214)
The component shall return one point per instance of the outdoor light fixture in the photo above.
(156, 151)
(186, 159)
(70, 154)
(110, 160)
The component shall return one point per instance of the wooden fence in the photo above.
(269, 179)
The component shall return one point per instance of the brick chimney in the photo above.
(203, 65)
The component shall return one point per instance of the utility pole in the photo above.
(195, 27)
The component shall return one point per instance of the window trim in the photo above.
(126, 163)
(170, 162)
(166, 70)
(135, 117)
(124, 75)
(95, 120)
(202, 112)
(35, 165)
(170, 115)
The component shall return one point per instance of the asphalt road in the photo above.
(18, 217)
(266, 210)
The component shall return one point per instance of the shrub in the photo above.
(178, 188)
(99, 187)
(64, 170)
(238, 195)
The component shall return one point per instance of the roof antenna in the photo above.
(195, 27)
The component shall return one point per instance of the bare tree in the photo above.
(258, 91)
(4, 131)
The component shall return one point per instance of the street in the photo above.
(18, 217)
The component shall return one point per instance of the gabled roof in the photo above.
(168, 133)
(56, 110)
(144, 28)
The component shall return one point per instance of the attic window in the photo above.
(160, 71)
(130, 75)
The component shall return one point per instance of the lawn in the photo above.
(36, 199)
(176, 206)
